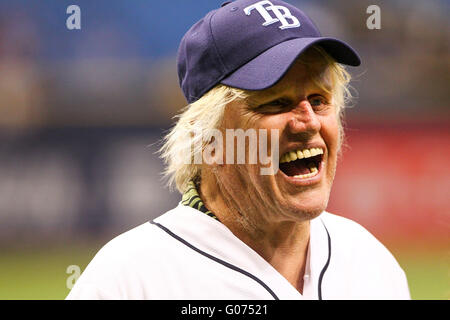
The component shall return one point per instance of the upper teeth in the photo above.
(300, 154)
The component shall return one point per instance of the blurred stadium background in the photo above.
(81, 112)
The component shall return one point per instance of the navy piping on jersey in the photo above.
(326, 264)
(226, 264)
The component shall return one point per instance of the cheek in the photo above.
(330, 131)
(276, 121)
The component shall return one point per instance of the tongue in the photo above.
(294, 168)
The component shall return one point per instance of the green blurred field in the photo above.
(30, 273)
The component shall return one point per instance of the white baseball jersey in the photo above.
(185, 254)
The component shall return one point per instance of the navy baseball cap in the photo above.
(249, 44)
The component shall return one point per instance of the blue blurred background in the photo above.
(82, 111)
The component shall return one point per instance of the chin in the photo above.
(300, 212)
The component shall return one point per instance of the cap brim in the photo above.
(269, 67)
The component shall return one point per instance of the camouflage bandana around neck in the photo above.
(192, 199)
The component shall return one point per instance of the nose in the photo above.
(304, 119)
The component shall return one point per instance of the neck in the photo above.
(283, 244)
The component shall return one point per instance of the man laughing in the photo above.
(254, 66)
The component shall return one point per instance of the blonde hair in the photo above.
(180, 145)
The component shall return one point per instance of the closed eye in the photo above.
(274, 106)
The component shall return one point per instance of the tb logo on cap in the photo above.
(282, 14)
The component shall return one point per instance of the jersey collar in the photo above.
(214, 238)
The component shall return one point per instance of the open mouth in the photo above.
(302, 164)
